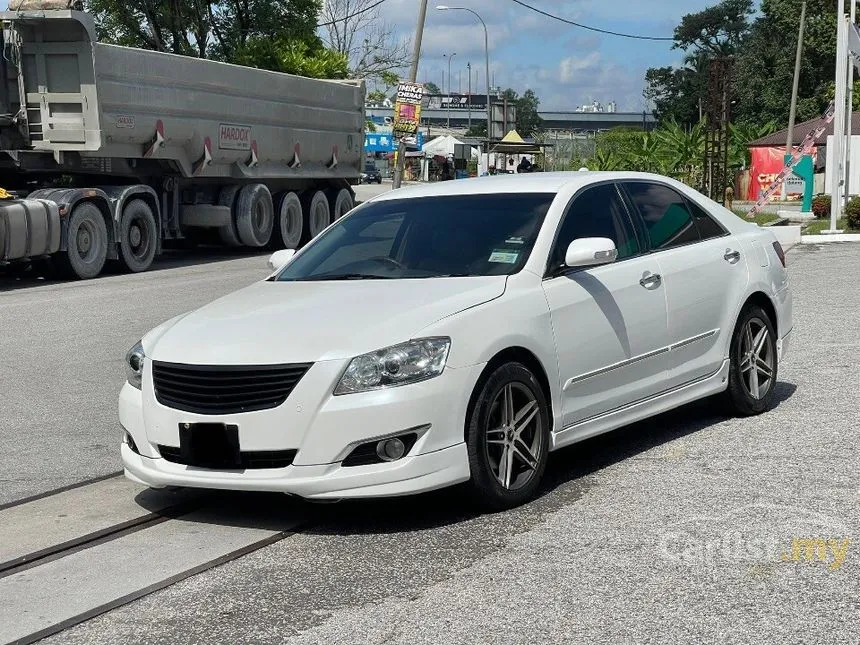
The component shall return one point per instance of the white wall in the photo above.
(854, 168)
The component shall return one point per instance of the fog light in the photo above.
(390, 449)
(129, 441)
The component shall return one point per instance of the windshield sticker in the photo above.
(505, 257)
(515, 240)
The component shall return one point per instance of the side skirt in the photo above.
(643, 409)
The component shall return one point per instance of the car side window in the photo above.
(708, 227)
(668, 221)
(596, 212)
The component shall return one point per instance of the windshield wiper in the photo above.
(347, 276)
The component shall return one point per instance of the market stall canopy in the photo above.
(513, 143)
(444, 146)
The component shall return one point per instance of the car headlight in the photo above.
(410, 362)
(134, 365)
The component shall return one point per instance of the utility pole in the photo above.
(850, 113)
(413, 74)
(839, 119)
(789, 141)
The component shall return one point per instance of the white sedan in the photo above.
(459, 332)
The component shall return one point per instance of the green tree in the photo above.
(764, 69)
(716, 31)
(528, 121)
(271, 34)
(431, 88)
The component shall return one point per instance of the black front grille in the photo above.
(250, 460)
(211, 389)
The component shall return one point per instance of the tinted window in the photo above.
(596, 212)
(667, 219)
(707, 225)
(426, 237)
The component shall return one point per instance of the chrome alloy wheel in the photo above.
(514, 436)
(756, 358)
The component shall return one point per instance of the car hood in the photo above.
(297, 322)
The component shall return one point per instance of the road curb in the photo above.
(823, 239)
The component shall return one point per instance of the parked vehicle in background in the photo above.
(458, 332)
(111, 150)
(370, 175)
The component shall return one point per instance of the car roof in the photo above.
(539, 182)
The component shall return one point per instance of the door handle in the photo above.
(732, 256)
(651, 280)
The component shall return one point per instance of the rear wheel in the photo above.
(254, 215)
(317, 213)
(87, 243)
(228, 233)
(507, 438)
(340, 202)
(290, 223)
(138, 236)
(753, 366)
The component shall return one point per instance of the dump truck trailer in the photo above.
(106, 152)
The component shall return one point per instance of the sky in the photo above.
(565, 65)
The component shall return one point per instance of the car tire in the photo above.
(317, 213)
(340, 203)
(228, 233)
(87, 243)
(138, 237)
(255, 215)
(753, 363)
(507, 463)
(290, 223)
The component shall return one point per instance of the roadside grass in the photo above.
(760, 218)
(817, 225)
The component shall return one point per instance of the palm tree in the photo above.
(684, 149)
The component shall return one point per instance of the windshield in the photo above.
(427, 237)
(369, 168)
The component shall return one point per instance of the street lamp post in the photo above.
(450, 58)
(443, 7)
(469, 69)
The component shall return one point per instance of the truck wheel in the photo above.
(290, 223)
(87, 243)
(228, 234)
(255, 215)
(317, 213)
(138, 236)
(340, 202)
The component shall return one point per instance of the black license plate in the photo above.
(210, 445)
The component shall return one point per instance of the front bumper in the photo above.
(328, 481)
(323, 429)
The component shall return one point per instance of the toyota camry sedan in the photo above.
(457, 333)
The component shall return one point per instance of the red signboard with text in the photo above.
(765, 165)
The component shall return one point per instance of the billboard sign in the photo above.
(407, 109)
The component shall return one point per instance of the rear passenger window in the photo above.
(707, 225)
(667, 218)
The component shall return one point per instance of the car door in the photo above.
(609, 321)
(704, 275)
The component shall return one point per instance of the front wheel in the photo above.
(87, 243)
(753, 366)
(507, 438)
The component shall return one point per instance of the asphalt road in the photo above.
(679, 529)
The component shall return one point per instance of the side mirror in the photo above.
(280, 259)
(590, 251)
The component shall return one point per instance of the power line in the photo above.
(600, 31)
(352, 15)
